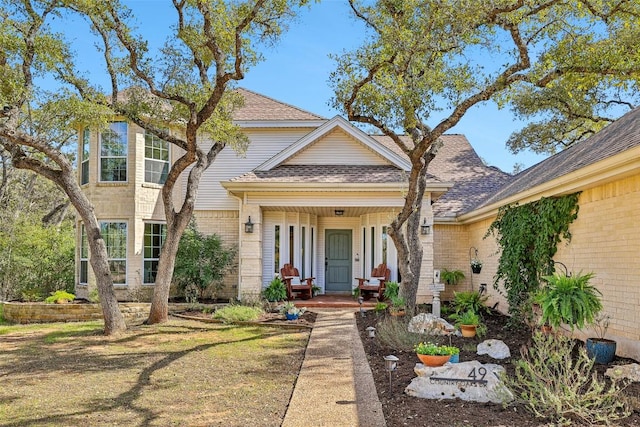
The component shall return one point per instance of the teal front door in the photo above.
(338, 261)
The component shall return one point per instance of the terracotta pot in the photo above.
(468, 331)
(432, 360)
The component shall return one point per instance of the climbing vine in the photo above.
(528, 236)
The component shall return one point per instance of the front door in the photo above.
(338, 261)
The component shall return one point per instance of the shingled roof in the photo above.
(457, 162)
(258, 107)
(619, 136)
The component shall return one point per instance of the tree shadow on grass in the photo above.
(126, 401)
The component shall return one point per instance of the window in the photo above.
(154, 236)
(384, 244)
(276, 250)
(113, 153)
(84, 256)
(156, 159)
(115, 238)
(84, 167)
(303, 238)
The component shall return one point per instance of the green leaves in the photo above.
(569, 299)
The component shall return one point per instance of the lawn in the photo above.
(181, 373)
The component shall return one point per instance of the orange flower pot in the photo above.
(433, 360)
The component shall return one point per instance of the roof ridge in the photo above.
(302, 110)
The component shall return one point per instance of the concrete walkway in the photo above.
(335, 386)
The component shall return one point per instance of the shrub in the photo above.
(469, 300)
(395, 334)
(201, 261)
(60, 296)
(555, 381)
(237, 313)
(276, 291)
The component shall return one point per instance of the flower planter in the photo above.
(602, 350)
(455, 358)
(468, 331)
(475, 269)
(433, 360)
(291, 316)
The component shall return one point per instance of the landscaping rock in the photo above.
(630, 372)
(495, 349)
(427, 323)
(470, 381)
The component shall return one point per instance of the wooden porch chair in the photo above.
(295, 284)
(375, 284)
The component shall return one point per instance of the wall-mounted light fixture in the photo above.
(248, 226)
(425, 228)
(339, 212)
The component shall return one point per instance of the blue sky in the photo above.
(296, 71)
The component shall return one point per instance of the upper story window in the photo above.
(84, 165)
(156, 159)
(113, 153)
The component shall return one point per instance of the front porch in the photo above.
(334, 301)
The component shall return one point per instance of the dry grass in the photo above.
(182, 373)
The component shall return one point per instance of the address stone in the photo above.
(471, 381)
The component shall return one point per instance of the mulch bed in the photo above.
(403, 410)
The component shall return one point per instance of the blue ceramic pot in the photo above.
(291, 316)
(455, 358)
(602, 350)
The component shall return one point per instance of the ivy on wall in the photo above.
(528, 236)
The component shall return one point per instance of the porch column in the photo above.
(250, 253)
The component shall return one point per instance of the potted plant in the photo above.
(569, 299)
(290, 311)
(397, 306)
(476, 266)
(467, 322)
(451, 277)
(276, 291)
(431, 354)
(601, 349)
(315, 289)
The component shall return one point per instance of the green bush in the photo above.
(276, 291)
(556, 381)
(59, 296)
(469, 300)
(237, 313)
(201, 261)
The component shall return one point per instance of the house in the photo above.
(320, 193)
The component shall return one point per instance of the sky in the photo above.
(296, 71)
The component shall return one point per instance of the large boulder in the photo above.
(427, 323)
(470, 381)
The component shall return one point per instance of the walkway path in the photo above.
(335, 386)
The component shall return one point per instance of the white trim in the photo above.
(150, 222)
(326, 128)
(126, 156)
(126, 248)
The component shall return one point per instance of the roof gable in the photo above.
(377, 153)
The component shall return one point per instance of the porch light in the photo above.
(339, 212)
(248, 226)
(425, 228)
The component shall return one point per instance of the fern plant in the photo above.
(569, 299)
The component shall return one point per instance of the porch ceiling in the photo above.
(349, 211)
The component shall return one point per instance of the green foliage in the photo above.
(276, 291)
(237, 313)
(380, 307)
(451, 277)
(391, 290)
(393, 333)
(528, 236)
(469, 301)
(435, 349)
(290, 308)
(59, 296)
(2, 319)
(555, 381)
(469, 317)
(94, 296)
(35, 260)
(569, 299)
(201, 261)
